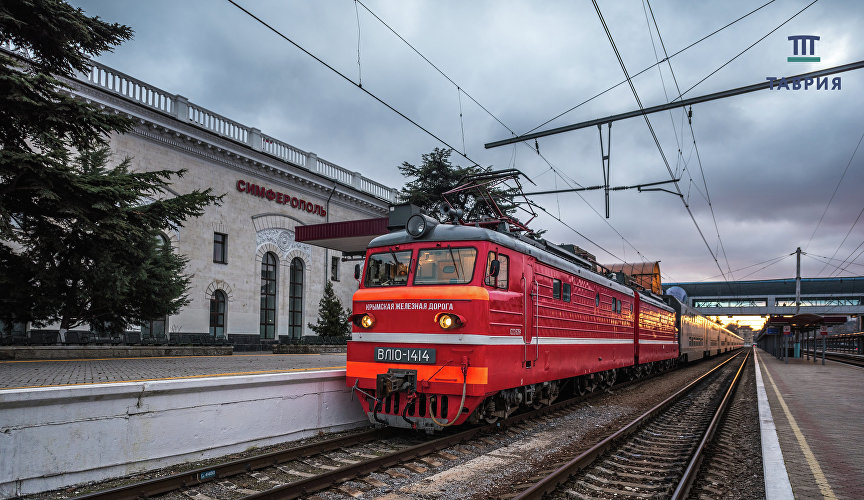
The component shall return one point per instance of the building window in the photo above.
(295, 299)
(220, 248)
(268, 296)
(154, 328)
(334, 268)
(556, 289)
(217, 314)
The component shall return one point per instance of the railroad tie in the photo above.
(354, 492)
(371, 481)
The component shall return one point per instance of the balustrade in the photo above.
(115, 82)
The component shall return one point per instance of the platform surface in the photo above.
(47, 373)
(818, 412)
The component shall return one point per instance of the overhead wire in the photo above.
(334, 70)
(569, 181)
(622, 82)
(776, 261)
(836, 267)
(844, 240)
(836, 188)
(822, 257)
(693, 135)
(748, 267)
(359, 67)
(709, 75)
(654, 136)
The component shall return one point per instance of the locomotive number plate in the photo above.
(405, 355)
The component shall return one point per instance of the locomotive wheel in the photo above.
(554, 391)
(580, 386)
(609, 379)
(590, 382)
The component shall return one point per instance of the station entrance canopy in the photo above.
(352, 237)
(349, 237)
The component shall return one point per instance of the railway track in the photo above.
(345, 464)
(655, 456)
(303, 470)
(732, 467)
(849, 359)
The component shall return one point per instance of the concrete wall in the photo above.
(54, 437)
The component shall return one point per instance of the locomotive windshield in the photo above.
(441, 266)
(388, 269)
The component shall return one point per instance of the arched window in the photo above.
(217, 314)
(268, 296)
(295, 299)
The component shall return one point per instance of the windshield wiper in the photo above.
(455, 265)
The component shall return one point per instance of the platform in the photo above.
(64, 372)
(65, 422)
(818, 413)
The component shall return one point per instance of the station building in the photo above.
(251, 281)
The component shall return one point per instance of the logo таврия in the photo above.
(807, 44)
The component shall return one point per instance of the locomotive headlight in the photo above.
(419, 224)
(446, 321)
(364, 320)
(449, 321)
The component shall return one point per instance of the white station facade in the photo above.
(252, 282)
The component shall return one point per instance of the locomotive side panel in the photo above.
(581, 326)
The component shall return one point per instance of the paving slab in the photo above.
(61, 372)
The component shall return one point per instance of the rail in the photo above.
(549, 483)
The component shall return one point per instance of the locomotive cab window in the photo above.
(556, 289)
(566, 292)
(500, 279)
(445, 266)
(388, 269)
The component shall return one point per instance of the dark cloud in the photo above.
(771, 159)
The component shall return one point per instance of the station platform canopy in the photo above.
(797, 322)
(804, 321)
(349, 237)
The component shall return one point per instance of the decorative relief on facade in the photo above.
(284, 239)
(219, 285)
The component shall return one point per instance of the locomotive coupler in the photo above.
(395, 380)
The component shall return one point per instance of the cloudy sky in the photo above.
(771, 160)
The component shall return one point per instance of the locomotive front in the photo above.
(415, 359)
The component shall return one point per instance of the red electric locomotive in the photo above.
(456, 323)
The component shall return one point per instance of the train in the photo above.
(458, 323)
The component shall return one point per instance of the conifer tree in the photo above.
(79, 240)
(437, 175)
(332, 318)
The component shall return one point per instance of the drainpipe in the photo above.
(327, 251)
